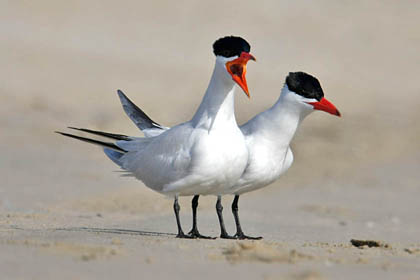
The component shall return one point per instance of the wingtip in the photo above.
(121, 95)
(61, 133)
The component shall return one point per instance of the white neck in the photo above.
(283, 119)
(217, 106)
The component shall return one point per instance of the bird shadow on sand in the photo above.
(117, 231)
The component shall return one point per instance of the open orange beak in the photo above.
(326, 106)
(237, 69)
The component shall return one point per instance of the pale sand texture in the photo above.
(64, 213)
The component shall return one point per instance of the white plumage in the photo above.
(197, 157)
(268, 136)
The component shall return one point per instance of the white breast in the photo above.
(265, 166)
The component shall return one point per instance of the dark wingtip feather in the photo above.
(104, 134)
(137, 115)
(93, 141)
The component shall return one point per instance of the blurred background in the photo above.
(355, 176)
(63, 61)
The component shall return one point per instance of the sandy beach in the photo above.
(65, 211)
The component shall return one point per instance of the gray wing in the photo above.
(140, 119)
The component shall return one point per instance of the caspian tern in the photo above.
(268, 136)
(200, 156)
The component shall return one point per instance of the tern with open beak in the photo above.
(200, 156)
(267, 135)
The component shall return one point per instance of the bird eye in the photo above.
(227, 53)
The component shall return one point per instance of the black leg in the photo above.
(219, 209)
(194, 233)
(239, 233)
(181, 233)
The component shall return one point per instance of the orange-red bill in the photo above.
(326, 106)
(237, 69)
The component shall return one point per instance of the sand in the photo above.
(65, 213)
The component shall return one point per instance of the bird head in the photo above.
(233, 53)
(305, 92)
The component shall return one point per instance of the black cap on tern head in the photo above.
(230, 46)
(305, 85)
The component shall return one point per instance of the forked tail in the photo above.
(111, 149)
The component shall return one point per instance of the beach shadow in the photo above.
(117, 231)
